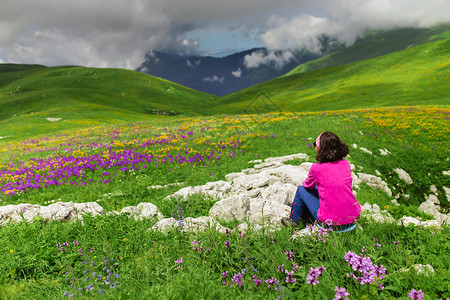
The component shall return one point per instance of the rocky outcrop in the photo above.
(59, 211)
(262, 194)
(188, 224)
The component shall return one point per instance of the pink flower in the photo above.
(415, 295)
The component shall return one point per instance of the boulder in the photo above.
(375, 182)
(142, 211)
(188, 224)
(431, 207)
(403, 175)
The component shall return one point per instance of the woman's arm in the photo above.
(310, 181)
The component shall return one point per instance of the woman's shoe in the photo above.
(288, 222)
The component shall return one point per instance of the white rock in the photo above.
(403, 175)
(384, 151)
(433, 189)
(233, 207)
(355, 146)
(54, 119)
(374, 213)
(256, 161)
(447, 193)
(430, 207)
(375, 182)
(142, 211)
(267, 211)
(365, 150)
(188, 224)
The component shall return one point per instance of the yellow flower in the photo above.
(11, 251)
(386, 207)
(125, 240)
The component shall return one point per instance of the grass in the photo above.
(85, 97)
(415, 76)
(145, 261)
(376, 43)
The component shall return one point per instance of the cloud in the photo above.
(277, 59)
(214, 78)
(118, 33)
(193, 63)
(237, 73)
(346, 19)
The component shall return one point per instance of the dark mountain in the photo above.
(224, 75)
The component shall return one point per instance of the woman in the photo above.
(327, 191)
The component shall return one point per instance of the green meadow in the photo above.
(122, 133)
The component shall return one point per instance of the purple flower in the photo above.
(227, 244)
(289, 277)
(179, 261)
(237, 279)
(314, 274)
(272, 281)
(256, 280)
(289, 255)
(341, 293)
(415, 295)
(280, 268)
(225, 274)
(363, 264)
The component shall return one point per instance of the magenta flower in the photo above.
(227, 244)
(415, 295)
(256, 280)
(289, 255)
(272, 281)
(314, 275)
(237, 279)
(341, 293)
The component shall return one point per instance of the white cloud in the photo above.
(214, 78)
(346, 19)
(118, 33)
(193, 63)
(237, 73)
(277, 59)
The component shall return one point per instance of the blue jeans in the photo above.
(305, 198)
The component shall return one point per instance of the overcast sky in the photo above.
(118, 33)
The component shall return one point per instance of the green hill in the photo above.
(377, 43)
(80, 97)
(415, 76)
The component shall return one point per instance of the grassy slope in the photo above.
(85, 97)
(415, 76)
(376, 44)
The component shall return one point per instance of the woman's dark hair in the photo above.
(331, 148)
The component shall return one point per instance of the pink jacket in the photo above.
(334, 183)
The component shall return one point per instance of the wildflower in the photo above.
(227, 244)
(237, 279)
(225, 274)
(280, 268)
(363, 264)
(289, 277)
(256, 280)
(272, 281)
(89, 287)
(341, 293)
(179, 261)
(289, 255)
(314, 274)
(415, 295)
